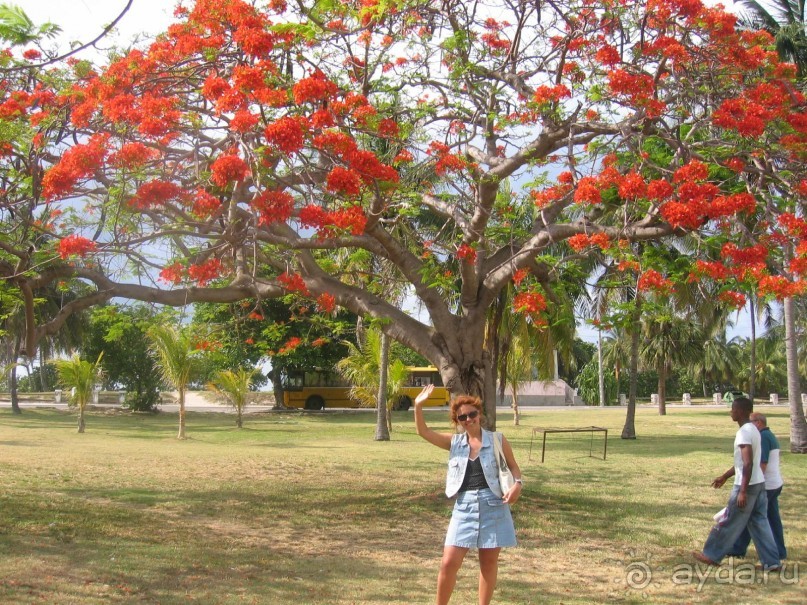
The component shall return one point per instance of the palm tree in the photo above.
(785, 20)
(718, 363)
(669, 339)
(234, 386)
(771, 366)
(362, 369)
(80, 376)
(17, 28)
(177, 361)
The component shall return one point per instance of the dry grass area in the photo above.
(308, 509)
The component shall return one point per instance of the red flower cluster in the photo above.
(713, 269)
(76, 245)
(326, 302)
(752, 255)
(351, 219)
(316, 88)
(796, 227)
(520, 275)
(446, 161)
(243, 121)
(550, 94)
(273, 207)
(132, 156)
(286, 135)
(172, 274)
(343, 180)
(155, 193)
(227, 169)
(205, 272)
(638, 88)
(751, 113)
(653, 280)
(781, 287)
(532, 304)
(293, 282)
(205, 204)
(587, 191)
(75, 164)
(581, 241)
(291, 344)
(466, 252)
(694, 171)
(733, 299)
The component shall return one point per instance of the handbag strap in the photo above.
(501, 461)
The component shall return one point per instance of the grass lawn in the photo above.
(308, 509)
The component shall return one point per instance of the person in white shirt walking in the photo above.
(769, 462)
(748, 503)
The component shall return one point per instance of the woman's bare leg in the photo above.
(488, 571)
(449, 567)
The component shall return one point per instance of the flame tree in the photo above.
(235, 155)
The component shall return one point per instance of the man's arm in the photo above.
(748, 460)
(723, 478)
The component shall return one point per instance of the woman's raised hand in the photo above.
(424, 394)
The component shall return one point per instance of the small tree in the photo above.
(361, 368)
(80, 376)
(177, 361)
(234, 386)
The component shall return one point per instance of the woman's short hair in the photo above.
(461, 400)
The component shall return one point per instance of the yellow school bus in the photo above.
(316, 389)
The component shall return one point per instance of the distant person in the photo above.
(481, 518)
(769, 462)
(748, 503)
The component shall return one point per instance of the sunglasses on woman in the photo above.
(464, 417)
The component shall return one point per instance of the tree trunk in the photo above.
(752, 383)
(489, 392)
(12, 379)
(662, 390)
(629, 430)
(277, 387)
(81, 418)
(181, 434)
(798, 425)
(238, 419)
(516, 413)
(600, 369)
(43, 378)
(382, 423)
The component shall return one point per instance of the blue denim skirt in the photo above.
(480, 519)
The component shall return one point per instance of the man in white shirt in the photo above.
(773, 487)
(748, 503)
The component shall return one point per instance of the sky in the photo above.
(84, 20)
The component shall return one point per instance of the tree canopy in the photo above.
(247, 152)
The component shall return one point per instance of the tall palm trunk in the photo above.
(662, 389)
(600, 369)
(383, 417)
(12, 380)
(798, 425)
(629, 430)
(181, 434)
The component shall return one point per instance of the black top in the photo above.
(474, 476)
